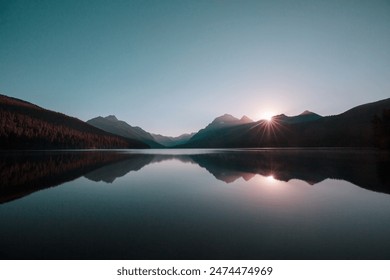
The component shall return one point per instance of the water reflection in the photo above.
(365, 169)
(25, 173)
(198, 204)
(110, 172)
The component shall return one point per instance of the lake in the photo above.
(195, 204)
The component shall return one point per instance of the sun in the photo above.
(267, 116)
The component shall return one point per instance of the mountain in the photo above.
(353, 128)
(168, 141)
(24, 125)
(306, 116)
(112, 125)
(225, 121)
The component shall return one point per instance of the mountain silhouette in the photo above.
(306, 116)
(353, 128)
(112, 125)
(24, 125)
(225, 121)
(36, 171)
(169, 141)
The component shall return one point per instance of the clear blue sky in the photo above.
(172, 66)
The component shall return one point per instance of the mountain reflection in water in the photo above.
(195, 204)
(24, 173)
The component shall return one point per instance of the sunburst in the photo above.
(267, 129)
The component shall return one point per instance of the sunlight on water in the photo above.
(195, 204)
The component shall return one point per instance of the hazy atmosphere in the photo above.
(172, 66)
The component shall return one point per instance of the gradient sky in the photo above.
(173, 66)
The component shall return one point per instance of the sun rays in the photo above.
(269, 131)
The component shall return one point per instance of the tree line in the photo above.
(37, 128)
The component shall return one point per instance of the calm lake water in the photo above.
(195, 204)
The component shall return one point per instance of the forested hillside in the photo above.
(26, 126)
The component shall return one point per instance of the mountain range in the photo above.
(362, 126)
(170, 142)
(113, 125)
(24, 125)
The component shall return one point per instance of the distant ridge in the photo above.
(169, 141)
(306, 112)
(24, 125)
(305, 116)
(227, 120)
(112, 125)
(245, 119)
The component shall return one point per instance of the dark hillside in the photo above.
(26, 126)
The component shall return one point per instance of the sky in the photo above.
(171, 67)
